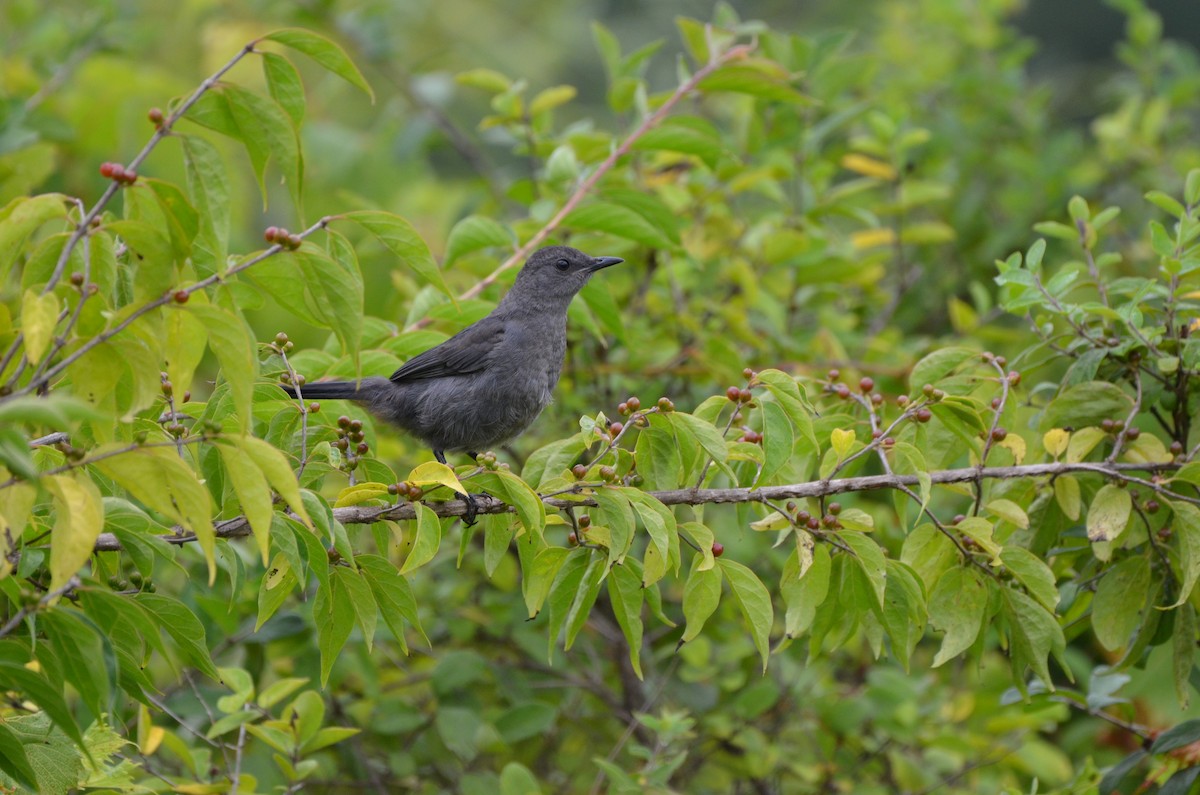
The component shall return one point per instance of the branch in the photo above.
(585, 187)
(485, 503)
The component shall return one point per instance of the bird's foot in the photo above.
(472, 509)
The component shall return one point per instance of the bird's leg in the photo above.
(472, 506)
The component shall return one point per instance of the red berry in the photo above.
(607, 473)
(834, 508)
(615, 429)
(1152, 506)
(733, 394)
(745, 395)
(155, 116)
(579, 471)
(623, 409)
(572, 540)
(866, 384)
(633, 403)
(181, 296)
(271, 234)
(585, 521)
(902, 400)
(127, 177)
(362, 448)
(813, 523)
(1133, 433)
(842, 391)
(718, 549)
(999, 435)
(923, 415)
(747, 373)
(835, 375)
(108, 170)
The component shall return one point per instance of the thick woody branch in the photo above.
(358, 514)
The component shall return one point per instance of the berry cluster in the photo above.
(117, 173)
(1131, 433)
(281, 343)
(282, 238)
(350, 432)
(488, 461)
(135, 580)
(409, 491)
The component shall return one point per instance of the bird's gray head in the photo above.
(553, 275)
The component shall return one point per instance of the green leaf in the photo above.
(778, 442)
(956, 607)
(1187, 532)
(870, 560)
(517, 493)
(936, 366)
(585, 597)
(160, 479)
(660, 526)
(324, 52)
(763, 79)
(804, 590)
(399, 237)
(795, 403)
(754, 600)
(701, 595)
(688, 135)
(393, 595)
(904, 611)
(85, 653)
(428, 539)
(208, 185)
(232, 341)
(929, 552)
(366, 612)
(625, 593)
(283, 82)
(1120, 598)
(516, 779)
(1034, 634)
(1109, 513)
(15, 762)
(268, 134)
(550, 98)
(618, 221)
(1177, 737)
(34, 687)
(1009, 511)
(274, 465)
(333, 612)
(539, 577)
(474, 233)
(20, 219)
(1066, 493)
(1032, 572)
(183, 627)
(253, 495)
(1086, 404)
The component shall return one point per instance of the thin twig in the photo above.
(1119, 442)
(588, 184)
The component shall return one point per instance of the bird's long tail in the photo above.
(326, 390)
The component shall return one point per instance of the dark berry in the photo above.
(633, 403)
(615, 429)
(393, 488)
(579, 471)
(1133, 433)
(834, 508)
(607, 473)
(181, 296)
(585, 521)
(866, 384)
(835, 375)
(745, 395)
(747, 373)
(109, 170)
(999, 435)
(842, 391)
(362, 448)
(77, 279)
(958, 519)
(733, 394)
(902, 400)
(1152, 506)
(927, 390)
(813, 523)
(623, 409)
(923, 415)
(718, 549)
(155, 116)
(1176, 447)
(1106, 425)
(572, 540)
(355, 426)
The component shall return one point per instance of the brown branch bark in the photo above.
(358, 514)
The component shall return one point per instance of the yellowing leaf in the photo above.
(1016, 445)
(79, 519)
(873, 238)
(1066, 492)
(1010, 512)
(1147, 449)
(359, 493)
(253, 494)
(275, 467)
(1082, 442)
(771, 522)
(1109, 513)
(433, 473)
(1055, 441)
(980, 530)
(868, 166)
(841, 440)
(39, 316)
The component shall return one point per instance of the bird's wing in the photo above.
(466, 352)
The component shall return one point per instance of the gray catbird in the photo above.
(486, 384)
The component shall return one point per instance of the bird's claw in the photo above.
(472, 509)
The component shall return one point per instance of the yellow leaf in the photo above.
(359, 493)
(39, 316)
(277, 571)
(1016, 445)
(1083, 441)
(841, 440)
(1055, 441)
(434, 473)
(1147, 449)
(1109, 513)
(871, 238)
(253, 494)
(868, 166)
(79, 518)
(805, 544)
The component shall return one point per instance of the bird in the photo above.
(490, 381)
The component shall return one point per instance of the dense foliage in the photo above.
(914, 512)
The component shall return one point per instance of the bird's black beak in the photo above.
(599, 263)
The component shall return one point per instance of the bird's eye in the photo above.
(562, 265)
